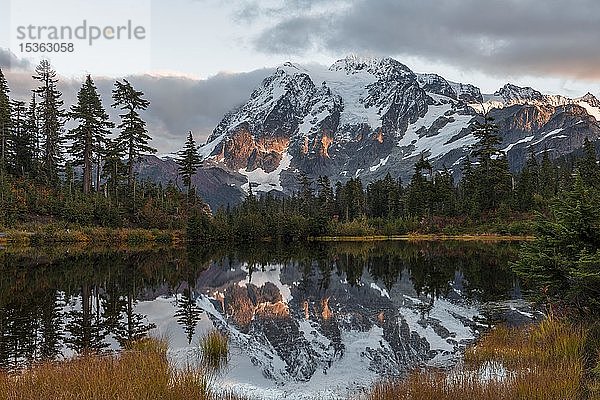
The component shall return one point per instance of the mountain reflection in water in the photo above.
(299, 313)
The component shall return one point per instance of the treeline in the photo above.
(487, 199)
(84, 174)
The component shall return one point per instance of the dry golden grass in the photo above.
(543, 361)
(139, 373)
(214, 348)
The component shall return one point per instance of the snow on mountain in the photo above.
(450, 125)
(343, 121)
(591, 105)
(263, 181)
(458, 91)
(514, 94)
(511, 94)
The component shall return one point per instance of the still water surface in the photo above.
(314, 320)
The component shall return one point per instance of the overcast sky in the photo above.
(200, 58)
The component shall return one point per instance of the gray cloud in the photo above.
(251, 10)
(8, 60)
(177, 104)
(495, 36)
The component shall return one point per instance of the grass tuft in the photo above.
(140, 372)
(214, 348)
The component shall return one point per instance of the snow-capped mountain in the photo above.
(365, 117)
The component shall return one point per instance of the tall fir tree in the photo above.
(189, 161)
(306, 194)
(420, 189)
(23, 140)
(34, 133)
(88, 138)
(563, 262)
(133, 137)
(326, 196)
(527, 184)
(492, 175)
(488, 140)
(444, 194)
(114, 169)
(467, 189)
(5, 120)
(588, 165)
(51, 121)
(547, 177)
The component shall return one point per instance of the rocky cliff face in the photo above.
(369, 117)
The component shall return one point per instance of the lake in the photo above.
(304, 321)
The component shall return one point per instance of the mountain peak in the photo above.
(291, 68)
(374, 65)
(510, 92)
(590, 99)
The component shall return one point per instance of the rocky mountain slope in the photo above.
(367, 117)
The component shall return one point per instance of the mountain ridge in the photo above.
(366, 117)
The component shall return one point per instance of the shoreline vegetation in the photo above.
(50, 234)
(425, 237)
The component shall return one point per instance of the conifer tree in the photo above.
(488, 140)
(420, 188)
(113, 170)
(563, 262)
(306, 194)
(189, 162)
(326, 197)
(547, 177)
(492, 175)
(527, 184)
(467, 189)
(51, 116)
(88, 138)
(588, 165)
(444, 197)
(5, 120)
(23, 141)
(34, 133)
(133, 137)
(394, 191)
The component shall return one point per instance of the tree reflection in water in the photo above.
(84, 299)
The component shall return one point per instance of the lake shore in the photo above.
(425, 237)
(50, 234)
